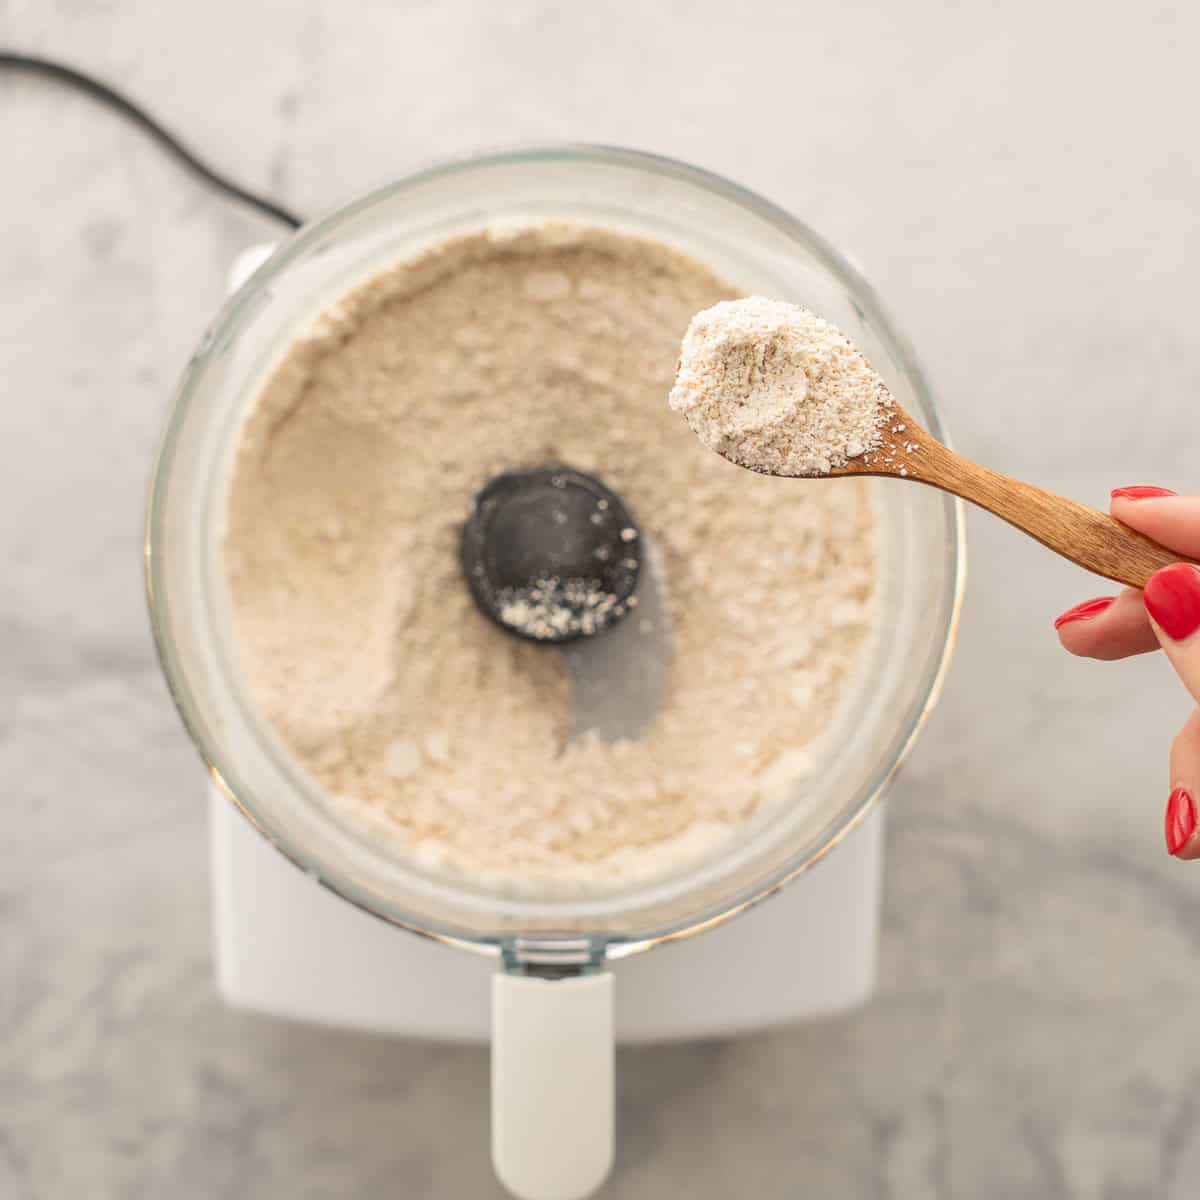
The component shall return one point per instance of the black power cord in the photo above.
(106, 95)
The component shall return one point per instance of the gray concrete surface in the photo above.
(1020, 180)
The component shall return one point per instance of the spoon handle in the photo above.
(1084, 535)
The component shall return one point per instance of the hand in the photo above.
(1166, 614)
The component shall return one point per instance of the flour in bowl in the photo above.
(423, 723)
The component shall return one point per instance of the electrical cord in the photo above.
(113, 99)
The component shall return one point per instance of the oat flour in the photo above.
(423, 721)
(773, 387)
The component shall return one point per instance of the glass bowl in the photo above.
(744, 239)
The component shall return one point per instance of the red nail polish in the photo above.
(1172, 598)
(1081, 612)
(1141, 491)
(1181, 820)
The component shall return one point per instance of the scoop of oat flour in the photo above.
(773, 387)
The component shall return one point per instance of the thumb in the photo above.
(1172, 598)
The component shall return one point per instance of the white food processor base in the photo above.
(287, 947)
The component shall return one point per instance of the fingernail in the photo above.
(1081, 612)
(1140, 491)
(1181, 820)
(1172, 598)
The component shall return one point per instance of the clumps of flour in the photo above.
(553, 609)
(773, 387)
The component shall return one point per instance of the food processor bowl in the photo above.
(542, 933)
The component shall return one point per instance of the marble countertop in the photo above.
(1020, 182)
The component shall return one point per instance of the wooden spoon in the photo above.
(1092, 539)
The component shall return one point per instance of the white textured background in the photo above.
(1021, 182)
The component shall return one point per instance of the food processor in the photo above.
(289, 946)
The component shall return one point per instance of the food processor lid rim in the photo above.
(242, 303)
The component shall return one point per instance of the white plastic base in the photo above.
(285, 946)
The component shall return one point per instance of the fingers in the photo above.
(1166, 613)
(1172, 520)
(1172, 598)
(1111, 627)
(1182, 838)
(1108, 627)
